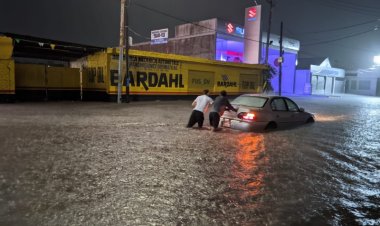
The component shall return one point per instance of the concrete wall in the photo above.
(339, 85)
(197, 46)
(196, 28)
(362, 85)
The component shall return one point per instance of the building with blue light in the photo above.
(216, 39)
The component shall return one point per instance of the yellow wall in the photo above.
(30, 76)
(63, 78)
(152, 74)
(6, 48)
(95, 73)
(7, 66)
(36, 77)
(155, 73)
(7, 77)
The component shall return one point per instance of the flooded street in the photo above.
(73, 163)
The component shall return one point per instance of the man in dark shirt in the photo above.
(221, 103)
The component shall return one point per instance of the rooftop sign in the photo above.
(159, 36)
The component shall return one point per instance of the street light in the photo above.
(376, 60)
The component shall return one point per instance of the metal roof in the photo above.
(41, 48)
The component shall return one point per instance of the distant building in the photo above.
(320, 79)
(364, 82)
(216, 39)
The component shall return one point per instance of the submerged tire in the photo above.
(310, 120)
(271, 126)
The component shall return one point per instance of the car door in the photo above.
(281, 115)
(296, 117)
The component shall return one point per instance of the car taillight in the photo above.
(246, 116)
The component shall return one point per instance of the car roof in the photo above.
(259, 95)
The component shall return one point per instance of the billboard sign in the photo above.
(159, 36)
(252, 14)
(252, 29)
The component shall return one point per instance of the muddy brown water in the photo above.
(72, 163)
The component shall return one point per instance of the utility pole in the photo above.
(127, 54)
(268, 32)
(280, 61)
(121, 49)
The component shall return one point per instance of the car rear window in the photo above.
(251, 101)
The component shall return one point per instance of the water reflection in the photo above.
(248, 171)
(323, 174)
(330, 118)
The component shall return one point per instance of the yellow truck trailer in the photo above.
(157, 74)
(150, 74)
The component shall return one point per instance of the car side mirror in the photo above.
(302, 110)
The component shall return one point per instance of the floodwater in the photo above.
(76, 163)
(327, 173)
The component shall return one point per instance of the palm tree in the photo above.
(267, 76)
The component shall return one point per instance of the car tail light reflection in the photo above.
(247, 116)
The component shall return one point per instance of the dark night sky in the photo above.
(96, 22)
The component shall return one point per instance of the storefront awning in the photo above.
(325, 69)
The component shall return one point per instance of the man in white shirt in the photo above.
(200, 104)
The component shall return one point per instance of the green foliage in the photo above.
(268, 75)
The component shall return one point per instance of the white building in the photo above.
(365, 82)
(326, 80)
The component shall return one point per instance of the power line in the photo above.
(341, 38)
(355, 5)
(138, 34)
(342, 28)
(349, 8)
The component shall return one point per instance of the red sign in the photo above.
(230, 28)
(252, 13)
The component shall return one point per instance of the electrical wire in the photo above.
(342, 28)
(341, 38)
(137, 34)
(348, 8)
(301, 51)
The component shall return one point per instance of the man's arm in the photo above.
(229, 106)
(194, 102)
(209, 103)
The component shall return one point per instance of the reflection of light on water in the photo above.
(330, 118)
(249, 149)
(249, 156)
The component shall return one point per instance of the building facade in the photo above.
(320, 79)
(364, 82)
(216, 39)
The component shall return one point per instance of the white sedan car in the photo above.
(264, 112)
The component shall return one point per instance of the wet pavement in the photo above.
(73, 163)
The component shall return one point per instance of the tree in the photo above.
(268, 74)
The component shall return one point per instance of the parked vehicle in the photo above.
(264, 113)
